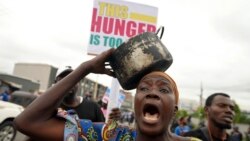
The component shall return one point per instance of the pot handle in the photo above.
(161, 28)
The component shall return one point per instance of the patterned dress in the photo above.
(84, 130)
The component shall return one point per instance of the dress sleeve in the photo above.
(70, 129)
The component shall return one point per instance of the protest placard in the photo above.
(114, 21)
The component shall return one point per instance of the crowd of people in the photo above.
(247, 134)
(85, 107)
(156, 103)
(127, 116)
(93, 113)
(60, 114)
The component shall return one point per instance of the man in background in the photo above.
(5, 96)
(219, 110)
(236, 135)
(86, 108)
(182, 127)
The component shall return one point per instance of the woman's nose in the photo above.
(153, 96)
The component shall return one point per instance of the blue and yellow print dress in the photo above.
(84, 130)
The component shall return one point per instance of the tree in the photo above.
(199, 113)
(238, 114)
(240, 117)
(181, 113)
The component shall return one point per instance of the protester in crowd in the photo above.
(86, 108)
(201, 123)
(189, 122)
(174, 124)
(155, 103)
(182, 127)
(131, 117)
(88, 96)
(124, 116)
(5, 96)
(236, 135)
(219, 110)
(248, 134)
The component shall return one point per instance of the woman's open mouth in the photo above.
(151, 113)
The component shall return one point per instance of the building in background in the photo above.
(96, 89)
(188, 104)
(43, 74)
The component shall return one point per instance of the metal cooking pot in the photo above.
(138, 56)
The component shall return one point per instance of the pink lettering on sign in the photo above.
(119, 27)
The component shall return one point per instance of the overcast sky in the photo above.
(209, 40)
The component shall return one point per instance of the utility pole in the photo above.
(201, 94)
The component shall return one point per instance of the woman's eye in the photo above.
(164, 90)
(143, 89)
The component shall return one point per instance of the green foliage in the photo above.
(238, 114)
(181, 113)
(240, 117)
(199, 113)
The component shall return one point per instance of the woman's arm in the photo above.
(39, 119)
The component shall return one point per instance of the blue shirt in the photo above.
(4, 96)
(180, 130)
